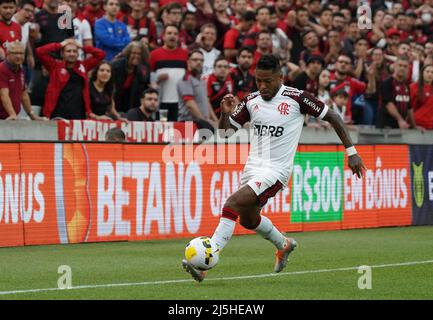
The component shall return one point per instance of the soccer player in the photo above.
(276, 112)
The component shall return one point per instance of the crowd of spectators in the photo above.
(166, 60)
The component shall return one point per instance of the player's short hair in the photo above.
(149, 91)
(242, 49)
(115, 134)
(8, 1)
(269, 62)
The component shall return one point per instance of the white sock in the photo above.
(223, 233)
(268, 231)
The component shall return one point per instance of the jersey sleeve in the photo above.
(185, 90)
(240, 115)
(308, 104)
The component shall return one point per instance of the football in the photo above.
(202, 253)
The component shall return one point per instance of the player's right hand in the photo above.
(356, 165)
(228, 103)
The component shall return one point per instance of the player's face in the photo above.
(7, 10)
(268, 82)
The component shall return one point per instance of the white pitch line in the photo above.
(266, 275)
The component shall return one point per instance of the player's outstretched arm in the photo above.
(354, 160)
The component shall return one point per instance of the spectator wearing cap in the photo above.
(392, 41)
(168, 65)
(243, 78)
(67, 94)
(308, 80)
(234, 38)
(131, 76)
(13, 90)
(111, 35)
(396, 109)
(148, 109)
(341, 79)
(193, 99)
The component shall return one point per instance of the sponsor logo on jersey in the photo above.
(311, 104)
(291, 92)
(283, 108)
(264, 130)
(258, 184)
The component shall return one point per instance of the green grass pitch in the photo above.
(324, 266)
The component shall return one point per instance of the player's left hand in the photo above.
(356, 165)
